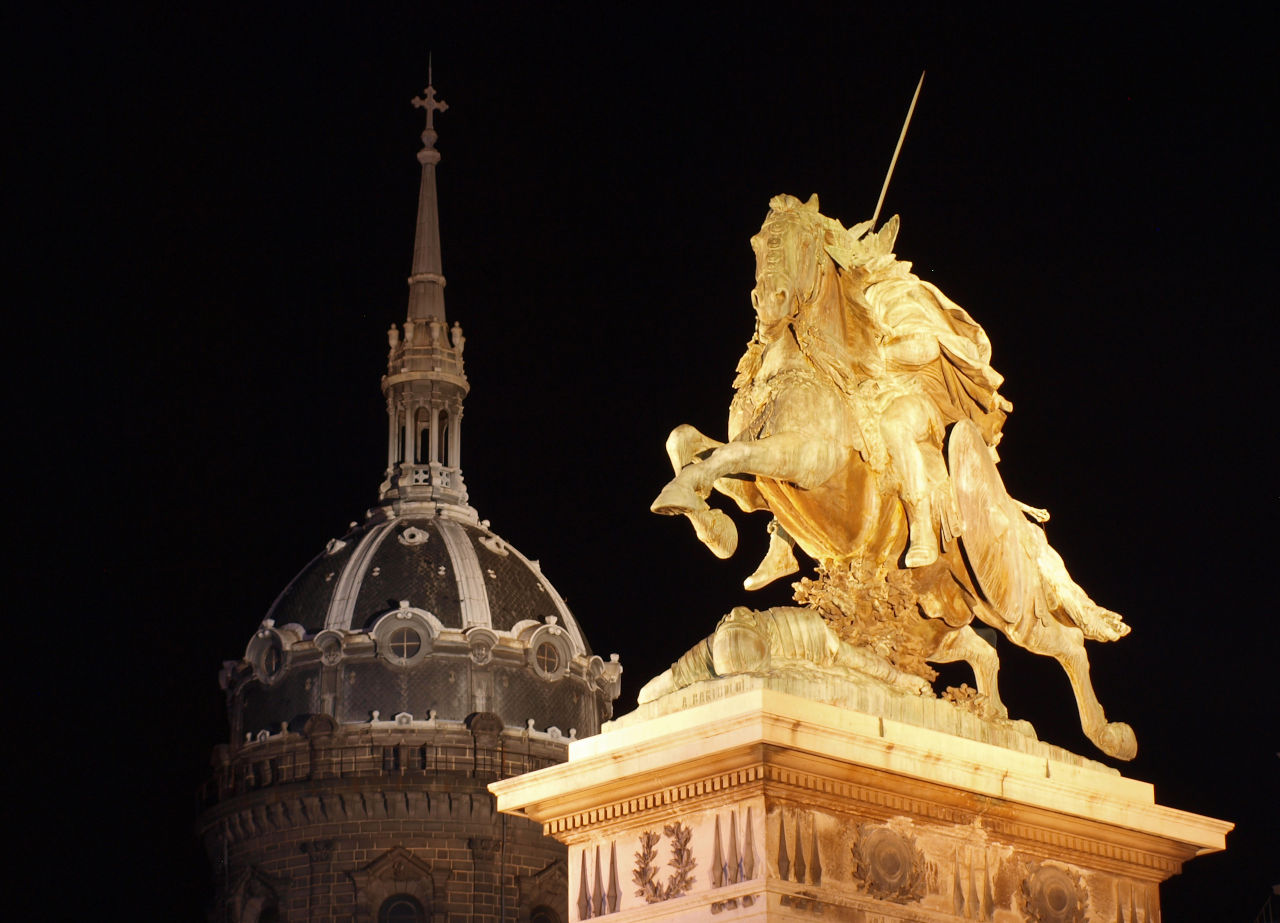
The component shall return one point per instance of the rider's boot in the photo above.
(778, 561)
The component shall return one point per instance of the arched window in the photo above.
(544, 915)
(401, 908)
(423, 426)
(443, 457)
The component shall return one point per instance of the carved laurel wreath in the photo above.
(890, 866)
(646, 871)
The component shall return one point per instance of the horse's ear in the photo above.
(813, 202)
(887, 235)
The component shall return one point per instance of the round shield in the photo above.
(1006, 576)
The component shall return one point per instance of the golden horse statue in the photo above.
(865, 420)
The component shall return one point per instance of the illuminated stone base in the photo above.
(760, 805)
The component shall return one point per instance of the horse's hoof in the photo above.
(676, 499)
(921, 554)
(1118, 740)
(715, 530)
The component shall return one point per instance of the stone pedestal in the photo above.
(734, 800)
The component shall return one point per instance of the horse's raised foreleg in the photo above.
(794, 457)
(686, 443)
(687, 446)
(797, 458)
(967, 645)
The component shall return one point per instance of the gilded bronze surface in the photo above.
(865, 420)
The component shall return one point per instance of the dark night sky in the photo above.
(226, 205)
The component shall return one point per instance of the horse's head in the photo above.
(791, 259)
(796, 249)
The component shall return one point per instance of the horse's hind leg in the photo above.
(1113, 738)
(1066, 645)
(967, 645)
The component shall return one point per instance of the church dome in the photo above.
(425, 617)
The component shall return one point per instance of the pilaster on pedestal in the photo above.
(743, 802)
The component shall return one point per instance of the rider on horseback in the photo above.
(913, 360)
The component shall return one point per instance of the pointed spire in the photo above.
(426, 283)
(425, 382)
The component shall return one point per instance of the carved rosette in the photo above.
(889, 866)
(1051, 894)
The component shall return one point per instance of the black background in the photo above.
(218, 208)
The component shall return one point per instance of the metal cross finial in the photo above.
(429, 102)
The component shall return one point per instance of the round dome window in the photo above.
(404, 644)
(403, 636)
(272, 660)
(548, 653)
(266, 654)
(547, 658)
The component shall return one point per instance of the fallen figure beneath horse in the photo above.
(865, 420)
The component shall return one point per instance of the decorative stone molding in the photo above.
(972, 889)
(329, 643)
(854, 817)
(729, 865)
(671, 795)
(251, 892)
(480, 643)
(599, 896)
(546, 887)
(412, 535)
(793, 865)
(397, 871)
